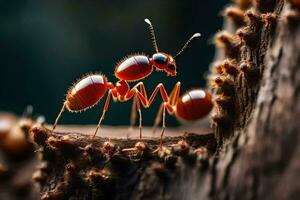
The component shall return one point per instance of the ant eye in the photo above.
(171, 66)
(160, 58)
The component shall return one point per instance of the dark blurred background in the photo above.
(46, 45)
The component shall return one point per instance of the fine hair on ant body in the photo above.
(88, 91)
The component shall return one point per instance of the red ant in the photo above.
(88, 91)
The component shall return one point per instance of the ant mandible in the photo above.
(88, 91)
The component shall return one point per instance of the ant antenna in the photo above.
(152, 34)
(187, 43)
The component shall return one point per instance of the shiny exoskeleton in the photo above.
(88, 91)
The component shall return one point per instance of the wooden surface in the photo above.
(76, 166)
(122, 131)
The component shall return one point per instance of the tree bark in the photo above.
(76, 166)
(261, 159)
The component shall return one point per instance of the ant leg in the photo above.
(173, 98)
(103, 112)
(138, 98)
(59, 115)
(132, 117)
(163, 125)
(138, 105)
(157, 119)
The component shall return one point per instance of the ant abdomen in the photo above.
(86, 92)
(193, 105)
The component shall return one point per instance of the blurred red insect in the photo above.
(88, 91)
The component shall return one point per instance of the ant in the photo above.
(88, 91)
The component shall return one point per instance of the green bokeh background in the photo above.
(47, 45)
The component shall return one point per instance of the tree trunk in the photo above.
(261, 158)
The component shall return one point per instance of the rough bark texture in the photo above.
(75, 166)
(261, 159)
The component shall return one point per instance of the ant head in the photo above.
(163, 61)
